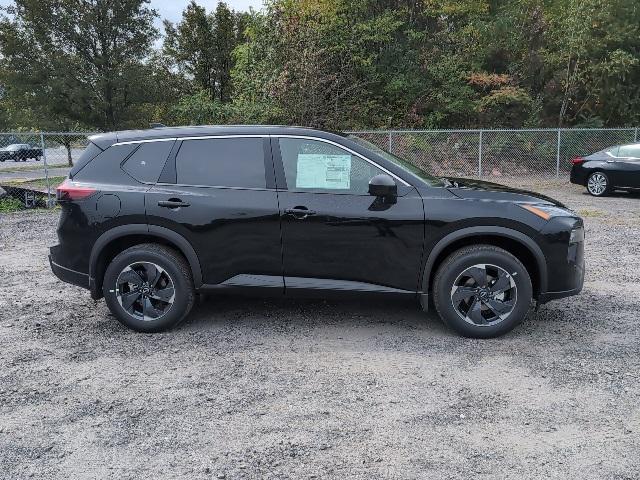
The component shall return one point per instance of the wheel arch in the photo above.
(517, 243)
(113, 241)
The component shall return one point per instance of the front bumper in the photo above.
(67, 274)
(563, 247)
(578, 280)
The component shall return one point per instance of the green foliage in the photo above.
(335, 64)
(10, 205)
(201, 45)
(67, 64)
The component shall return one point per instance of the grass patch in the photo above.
(9, 205)
(26, 168)
(586, 212)
(38, 183)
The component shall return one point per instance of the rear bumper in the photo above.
(66, 274)
(578, 175)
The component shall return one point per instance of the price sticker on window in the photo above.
(328, 172)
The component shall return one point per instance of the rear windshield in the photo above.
(89, 154)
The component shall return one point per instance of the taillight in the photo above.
(577, 160)
(69, 190)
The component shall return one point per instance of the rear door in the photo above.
(219, 193)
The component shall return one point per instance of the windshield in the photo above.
(401, 162)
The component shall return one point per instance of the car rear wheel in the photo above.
(149, 288)
(598, 184)
(482, 291)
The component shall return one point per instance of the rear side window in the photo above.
(222, 162)
(630, 151)
(105, 167)
(147, 161)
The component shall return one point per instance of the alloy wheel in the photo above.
(145, 291)
(597, 184)
(484, 295)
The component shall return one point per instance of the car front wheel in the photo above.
(482, 291)
(149, 288)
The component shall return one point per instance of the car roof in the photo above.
(104, 140)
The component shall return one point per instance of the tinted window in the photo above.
(313, 165)
(632, 151)
(106, 166)
(147, 161)
(87, 155)
(222, 162)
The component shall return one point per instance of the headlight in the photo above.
(548, 211)
(577, 235)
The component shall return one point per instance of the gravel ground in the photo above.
(251, 388)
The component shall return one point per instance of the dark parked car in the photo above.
(614, 168)
(20, 152)
(151, 218)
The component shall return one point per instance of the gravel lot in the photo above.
(251, 388)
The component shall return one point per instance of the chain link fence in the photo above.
(33, 164)
(533, 157)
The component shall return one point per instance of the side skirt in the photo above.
(273, 285)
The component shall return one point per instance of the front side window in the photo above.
(222, 162)
(316, 166)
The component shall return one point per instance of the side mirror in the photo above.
(383, 186)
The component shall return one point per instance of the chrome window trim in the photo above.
(132, 142)
(204, 137)
(352, 152)
(276, 136)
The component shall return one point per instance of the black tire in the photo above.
(594, 184)
(175, 272)
(499, 266)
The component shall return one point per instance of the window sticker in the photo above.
(332, 172)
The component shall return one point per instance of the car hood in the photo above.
(481, 190)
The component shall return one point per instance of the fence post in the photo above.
(558, 156)
(390, 142)
(635, 137)
(480, 155)
(46, 168)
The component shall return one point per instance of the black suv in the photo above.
(151, 218)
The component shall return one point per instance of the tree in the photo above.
(79, 62)
(201, 46)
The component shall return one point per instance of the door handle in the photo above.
(299, 213)
(173, 203)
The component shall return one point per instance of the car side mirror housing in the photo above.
(383, 186)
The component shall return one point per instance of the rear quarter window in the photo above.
(89, 153)
(147, 161)
(105, 167)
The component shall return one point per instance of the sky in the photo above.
(172, 9)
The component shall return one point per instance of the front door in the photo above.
(334, 234)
